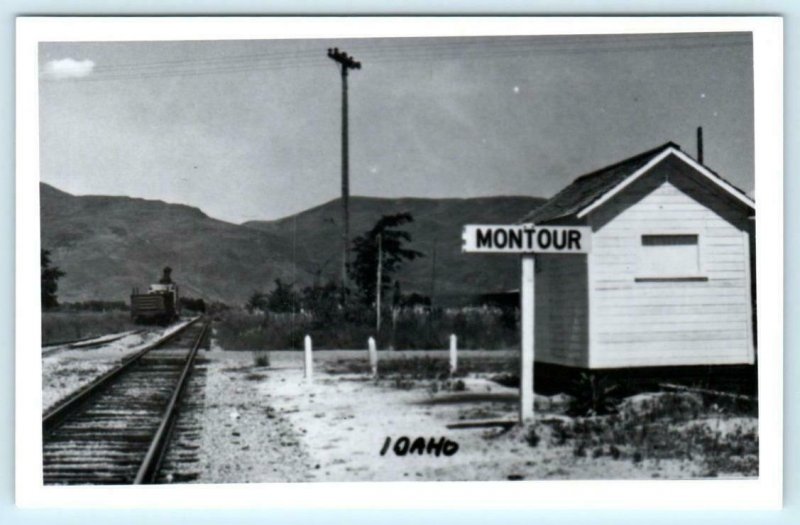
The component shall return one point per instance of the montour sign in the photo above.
(526, 238)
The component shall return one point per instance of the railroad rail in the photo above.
(68, 341)
(86, 342)
(117, 429)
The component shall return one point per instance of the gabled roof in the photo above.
(593, 189)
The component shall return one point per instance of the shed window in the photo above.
(669, 257)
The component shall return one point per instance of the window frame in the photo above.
(698, 276)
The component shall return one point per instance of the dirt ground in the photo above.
(267, 423)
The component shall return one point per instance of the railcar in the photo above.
(160, 304)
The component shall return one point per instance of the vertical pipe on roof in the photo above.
(700, 144)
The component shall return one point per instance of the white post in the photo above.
(453, 353)
(309, 364)
(527, 317)
(373, 356)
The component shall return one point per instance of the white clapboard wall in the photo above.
(610, 308)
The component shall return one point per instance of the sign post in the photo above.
(527, 240)
(527, 342)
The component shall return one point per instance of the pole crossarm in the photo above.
(347, 61)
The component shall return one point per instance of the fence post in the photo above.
(373, 356)
(309, 364)
(453, 353)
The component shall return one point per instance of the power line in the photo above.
(184, 73)
(397, 50)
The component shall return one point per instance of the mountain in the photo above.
(108, 245)
(436, 228)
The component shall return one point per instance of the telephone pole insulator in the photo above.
(346, 63)
(343, 58)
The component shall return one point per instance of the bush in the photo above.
(655, 406)
(334, 327)
(239, 330)
(216, 307)
(58, 326)
(593, 395)
(531, 437)
(667, 426)
(422, 367)
(323, 303)
(192, 304)
(261, 359)
(94, 306)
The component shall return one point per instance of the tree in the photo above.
(256, 302)
(323, 302)
(414, 300)
(363, 271)
(283, 298)
(50, 277)
(193, 304)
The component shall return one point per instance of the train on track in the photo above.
(160, 304)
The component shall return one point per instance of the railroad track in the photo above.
(117, 429)
(68, 341)
(86, 342)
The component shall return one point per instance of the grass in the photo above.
(424, 367)
(476, 328)
(667, 426)
(70, 325)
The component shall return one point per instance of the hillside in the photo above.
(108, 245)
(437, 222)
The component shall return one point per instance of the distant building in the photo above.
(504, 299)
(669, 280)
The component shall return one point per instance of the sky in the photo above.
(251, 130)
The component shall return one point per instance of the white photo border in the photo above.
(765, 492)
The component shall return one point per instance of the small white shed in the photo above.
(668, 279)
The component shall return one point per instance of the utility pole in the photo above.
(346, 63)
(432, 306)
(378, 285)
(433, 271)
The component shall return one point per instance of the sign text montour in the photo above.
(526, 238)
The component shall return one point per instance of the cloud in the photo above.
(67, 68)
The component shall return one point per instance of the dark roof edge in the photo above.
(639, 156)
(634, 159)
(720, 177)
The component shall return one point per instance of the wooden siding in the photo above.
(561, 313)
(700, 322)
